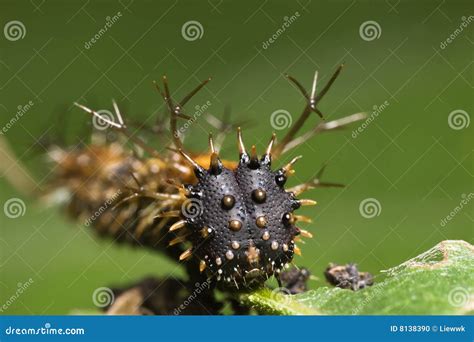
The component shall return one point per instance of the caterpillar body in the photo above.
(231, 222)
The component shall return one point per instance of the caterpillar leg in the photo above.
(121, 127)
(176, 109)
(312, 101)
(323, 127)
(314, 183)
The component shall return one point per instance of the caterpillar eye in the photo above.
(288, 218)
(228, 202)
(280, 179)
(259, 195)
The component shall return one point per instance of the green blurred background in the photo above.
(410, 159)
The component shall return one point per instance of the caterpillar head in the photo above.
(241, 220)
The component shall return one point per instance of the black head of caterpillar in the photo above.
(238, 218)
(241, 221)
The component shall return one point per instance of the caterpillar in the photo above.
(231, 222)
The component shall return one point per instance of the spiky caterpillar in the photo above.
(243, 228)
(245, 231)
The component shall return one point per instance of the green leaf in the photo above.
(439, 281)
